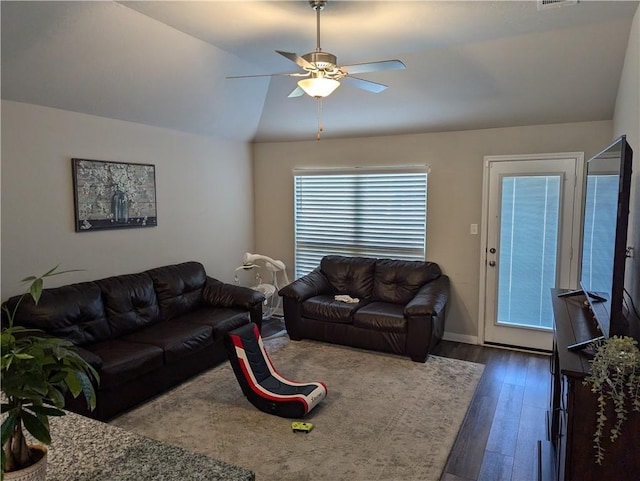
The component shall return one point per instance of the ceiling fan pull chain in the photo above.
(320, 126)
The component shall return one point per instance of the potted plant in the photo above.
(614, 378)
(37, 372)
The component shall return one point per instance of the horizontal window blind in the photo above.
(359, 214)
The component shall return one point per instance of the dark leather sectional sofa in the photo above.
(401, 306)
(143, 332)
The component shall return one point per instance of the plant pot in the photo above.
(35, 472)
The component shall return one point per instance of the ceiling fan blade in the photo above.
(297, 59)
(373, 66)
(286, 74)
(297, 92)
(364, 84)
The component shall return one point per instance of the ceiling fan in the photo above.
(320, 70)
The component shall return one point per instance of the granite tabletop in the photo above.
(83, 449)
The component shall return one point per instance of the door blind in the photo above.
(362, 214)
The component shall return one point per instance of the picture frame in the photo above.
(113, 195)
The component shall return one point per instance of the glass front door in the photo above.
(528, 248)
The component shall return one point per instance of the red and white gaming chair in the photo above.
(260, 382)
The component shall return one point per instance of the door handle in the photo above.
(492, 263)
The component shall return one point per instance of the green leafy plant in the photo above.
(615, 378)
(37, 372)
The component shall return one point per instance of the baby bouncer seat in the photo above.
(277, 278)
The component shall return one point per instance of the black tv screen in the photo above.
(604, 241)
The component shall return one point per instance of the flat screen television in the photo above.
(604, 238)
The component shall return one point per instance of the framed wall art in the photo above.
(113, 195)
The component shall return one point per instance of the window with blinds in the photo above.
(371, 214)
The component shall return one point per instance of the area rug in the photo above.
(384, 418)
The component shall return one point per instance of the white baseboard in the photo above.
(465, 338)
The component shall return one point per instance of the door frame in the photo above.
(571, 249)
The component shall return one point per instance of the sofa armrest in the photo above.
(92, 358)
(430, 299)
(218, 293)
(313, 284)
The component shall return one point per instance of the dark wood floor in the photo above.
(499, 438)
(506, 418)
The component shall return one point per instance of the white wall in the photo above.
(454, 192)
(203, 186)
(626, 120)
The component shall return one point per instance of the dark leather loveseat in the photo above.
(143, 332)
(401, 305)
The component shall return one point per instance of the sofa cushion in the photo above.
(326, 308)
(130, 302)
(381, 316)
(350, 275)
(179, 288)
(124, 361)
(221, 319)
(398, 281)
(176, 339)
(74, 312)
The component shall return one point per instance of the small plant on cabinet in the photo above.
(614, 378)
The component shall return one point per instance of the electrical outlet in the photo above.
(474, 229)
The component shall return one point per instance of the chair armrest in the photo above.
(221, 294)
(313, 284)
(430, 299)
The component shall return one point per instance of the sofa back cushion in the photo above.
(179, 287)
(398, 281)
(350, 275)
(130, 302)
(74, 312)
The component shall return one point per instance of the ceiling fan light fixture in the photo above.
(318, 87)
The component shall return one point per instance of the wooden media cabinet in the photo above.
(572, 412)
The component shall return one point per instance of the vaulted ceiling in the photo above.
(470, 65)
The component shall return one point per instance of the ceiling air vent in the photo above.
(547, 4)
